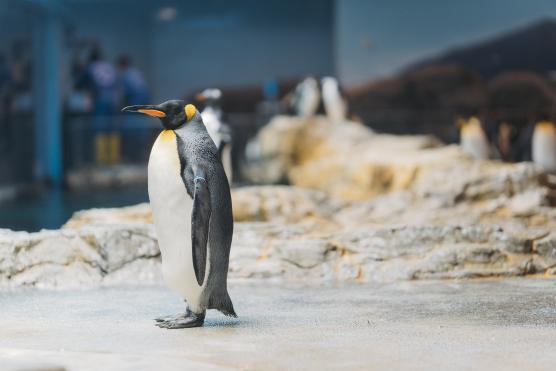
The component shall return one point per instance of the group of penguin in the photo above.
(311, 97)
(541, 143)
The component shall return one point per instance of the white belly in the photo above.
(212, 124)
(171, 208)
(544, 150)
(335, 108)
(227, 162)
(476, 144)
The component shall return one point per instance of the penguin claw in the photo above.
(177, 322)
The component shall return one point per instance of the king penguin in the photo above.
(192, 212)
(473, 139)
(544, 146)
(335, 105)
(306, 98)
(218, 131)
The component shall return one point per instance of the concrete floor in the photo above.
(507, 324)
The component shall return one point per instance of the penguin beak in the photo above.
(150, 110)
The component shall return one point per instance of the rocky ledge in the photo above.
(287, 233)
(383, 209)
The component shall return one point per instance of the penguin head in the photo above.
(468, 126)
(210, 97)
(172, 114)
(546, 127)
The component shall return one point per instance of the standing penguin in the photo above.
(306, 98)
(473, 139)
(218, 131)
(544, 146)
(334, 103)
(192, 212)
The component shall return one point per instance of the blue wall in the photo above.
(213, 42)
(376, 38)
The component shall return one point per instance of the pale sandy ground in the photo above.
(482, 325)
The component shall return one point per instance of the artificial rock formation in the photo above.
(373, 208)
(348, 160)
(287, 233)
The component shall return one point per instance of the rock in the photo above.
(372, 208)
(136, 213)
(49, 275)
(280, 204)
(82, 257)
(269, 203)
(347, 161)
(108, 254)
(546, 248)
(272, 154)
(121, 244)
(303, 253)
(350, 162)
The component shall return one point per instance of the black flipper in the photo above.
(200, 217)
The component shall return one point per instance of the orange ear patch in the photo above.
(152, 112)
(190, 111)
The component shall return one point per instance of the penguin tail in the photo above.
(223, 303)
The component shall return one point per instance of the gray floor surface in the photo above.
(470, 325)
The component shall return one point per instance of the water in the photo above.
(49, 209)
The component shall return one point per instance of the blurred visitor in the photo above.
(270, 106)
(133, 87)
(79, 98)
(5, 78)
(100, 78)
(133, 90)
(20, 83)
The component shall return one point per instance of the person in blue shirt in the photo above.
(100, 79)
(133, 90)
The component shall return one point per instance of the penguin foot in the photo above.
(186, 320)
(170, 317)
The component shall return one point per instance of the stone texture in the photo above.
(127, 253)
(381, 208)
(136, 213)
(348, 161)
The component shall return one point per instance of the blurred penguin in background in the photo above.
(306, 98)
(217, 129)
(518, 100)
(473, 139)
(335, 104)
(544, 146)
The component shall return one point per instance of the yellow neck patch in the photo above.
(545, 127)
(190, 111)
(167, 135)
(473, 125)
